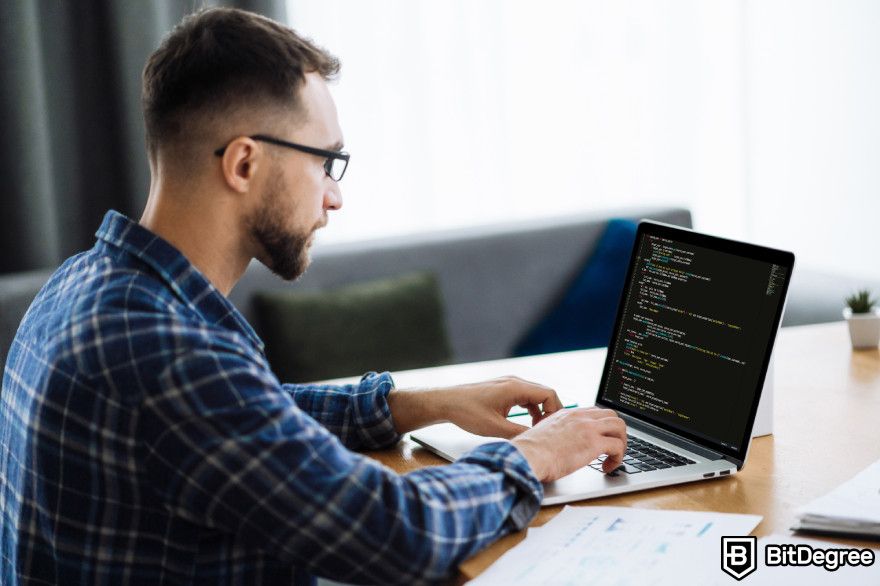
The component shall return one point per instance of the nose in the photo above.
(332, 196)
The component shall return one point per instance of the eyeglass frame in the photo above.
(329, 155)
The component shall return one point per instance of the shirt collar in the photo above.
(181, 276)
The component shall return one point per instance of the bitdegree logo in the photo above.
(738, 558)
(801, 554)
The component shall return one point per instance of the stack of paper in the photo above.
(852, 508)
(620, 546)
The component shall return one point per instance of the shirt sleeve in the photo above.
(358, 414)
(236, 453)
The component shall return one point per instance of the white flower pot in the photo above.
(864, 328)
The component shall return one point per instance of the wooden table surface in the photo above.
(826, 429)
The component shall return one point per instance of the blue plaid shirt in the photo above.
(144, 440)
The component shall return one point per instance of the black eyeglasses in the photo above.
(334, 166)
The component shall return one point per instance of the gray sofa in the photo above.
(496, 280)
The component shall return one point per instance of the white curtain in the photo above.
(814, 130)
(462, 112)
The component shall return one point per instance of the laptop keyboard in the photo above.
(642, 456)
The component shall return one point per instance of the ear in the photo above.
(240, 162)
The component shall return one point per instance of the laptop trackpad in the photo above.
(450, 441)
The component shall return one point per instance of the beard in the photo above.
(285, 251)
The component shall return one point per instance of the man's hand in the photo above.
(479, 408)
(482, 408)
(571, 439)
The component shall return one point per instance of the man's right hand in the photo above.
(572, 438)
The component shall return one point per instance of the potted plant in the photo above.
(864, 322)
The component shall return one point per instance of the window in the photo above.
(751, 114)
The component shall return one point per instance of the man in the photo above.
(143, 438)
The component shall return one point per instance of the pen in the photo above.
(570, 406)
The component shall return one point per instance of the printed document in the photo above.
(618, 545)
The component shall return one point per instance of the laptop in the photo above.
(685, 367)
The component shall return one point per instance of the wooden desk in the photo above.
(826, 429)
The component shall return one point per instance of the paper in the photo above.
(617, 545)
(853, 506)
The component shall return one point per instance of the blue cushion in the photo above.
(584, 318)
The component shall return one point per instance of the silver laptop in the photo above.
(689, 352)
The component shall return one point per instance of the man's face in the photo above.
(298, 192)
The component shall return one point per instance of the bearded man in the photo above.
(144, 438)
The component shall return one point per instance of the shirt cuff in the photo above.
(372, 415)
(504, 457)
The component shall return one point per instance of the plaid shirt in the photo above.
(144, 440)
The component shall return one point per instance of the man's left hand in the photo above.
(479, 408)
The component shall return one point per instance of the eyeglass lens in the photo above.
(335, 168)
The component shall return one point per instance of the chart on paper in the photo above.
(614, 545)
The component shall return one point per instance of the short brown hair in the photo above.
(222, 58)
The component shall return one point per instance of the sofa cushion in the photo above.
(388, 324)
(584, 317)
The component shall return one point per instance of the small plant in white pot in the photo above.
(863, 320)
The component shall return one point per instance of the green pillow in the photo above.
(387, 324)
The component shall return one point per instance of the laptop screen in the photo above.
(693, 336)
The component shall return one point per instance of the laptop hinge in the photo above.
(670, 437)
